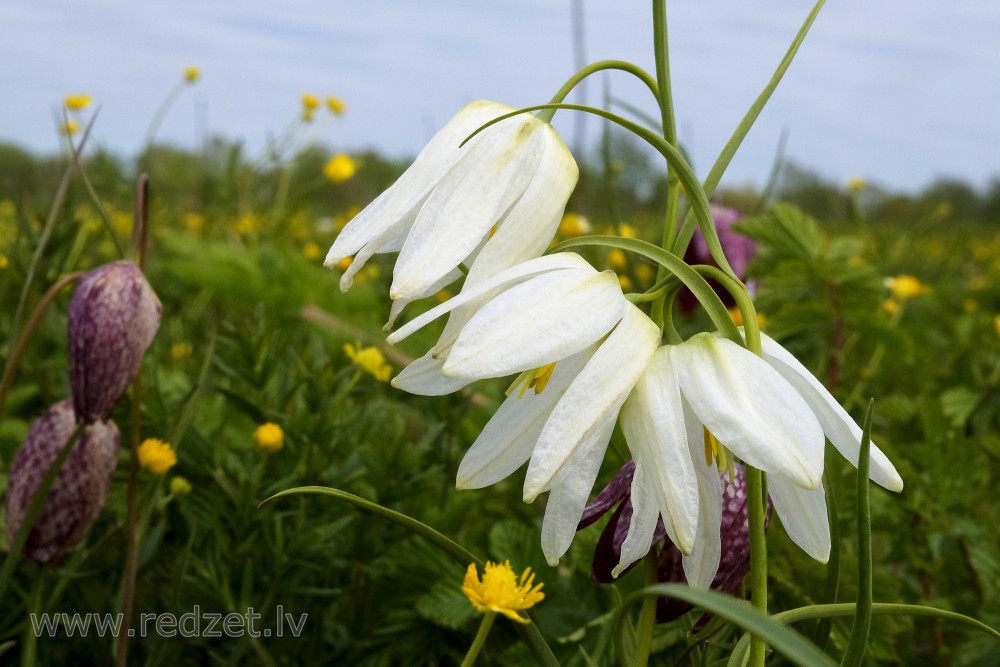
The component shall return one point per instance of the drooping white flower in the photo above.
(769, 411)
(580, 346)
(548, 309)
(490, 204)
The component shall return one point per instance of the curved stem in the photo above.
(699, 201)
(547, 114)
(10, 369)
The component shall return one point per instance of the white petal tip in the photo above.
(553, 562)
(618, 570)
(530, 495)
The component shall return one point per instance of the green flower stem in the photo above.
(161, 113)
(10, 369)
(751, 328)
(529, 631)
(729, 150)
(696, 195)
(47, 230)
(691, 278)
(480, 640)
(571, 83)
(647, 614)
(661, 54)
(758, 556)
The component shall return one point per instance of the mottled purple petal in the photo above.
(78, 492)
(613, 493)
(113, 318)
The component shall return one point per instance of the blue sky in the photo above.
(897, 91)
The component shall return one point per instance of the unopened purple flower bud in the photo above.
(79, 490)
(112, 320)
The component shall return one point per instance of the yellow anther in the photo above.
(542, 377)
(536, 378)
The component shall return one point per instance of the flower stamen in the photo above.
(536, 378)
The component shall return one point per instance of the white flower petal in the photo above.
(472, 197)
(803, 514)
(383, 223)
(843, 432)
(702, 564)
(593, 400)
(570, 492)
(398, 305)
(544, 319)
(562, 260)
(750, 408)
(653, 423)
(525, 231)
(642, 526)
(506, 442)
(424, 378)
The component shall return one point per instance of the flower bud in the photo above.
(113, 318)
(79, 490)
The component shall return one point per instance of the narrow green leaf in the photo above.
(740, 653)
(675, 265)
(529, 631)
(733, 145)
(855, 652)
(791, 644)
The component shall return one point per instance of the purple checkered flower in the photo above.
(78, 492)
(734, 532)
(113, 318)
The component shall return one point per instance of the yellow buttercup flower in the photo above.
(194, 222)
(4, 262)
(626, 231)
(335, 105)
(156, 456)
(617, 259)
(344, 264)
(890, 306)
(309, 102)
(370, 360)
(737, 316)
(312, 251)
(573, 224)
(77, 102)
(340, 168)
(906, 287)
(180, 351)
(856, 184)
(625, 282)
(70, 128)
(500, 592)
(269, 437)
(192, 74)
